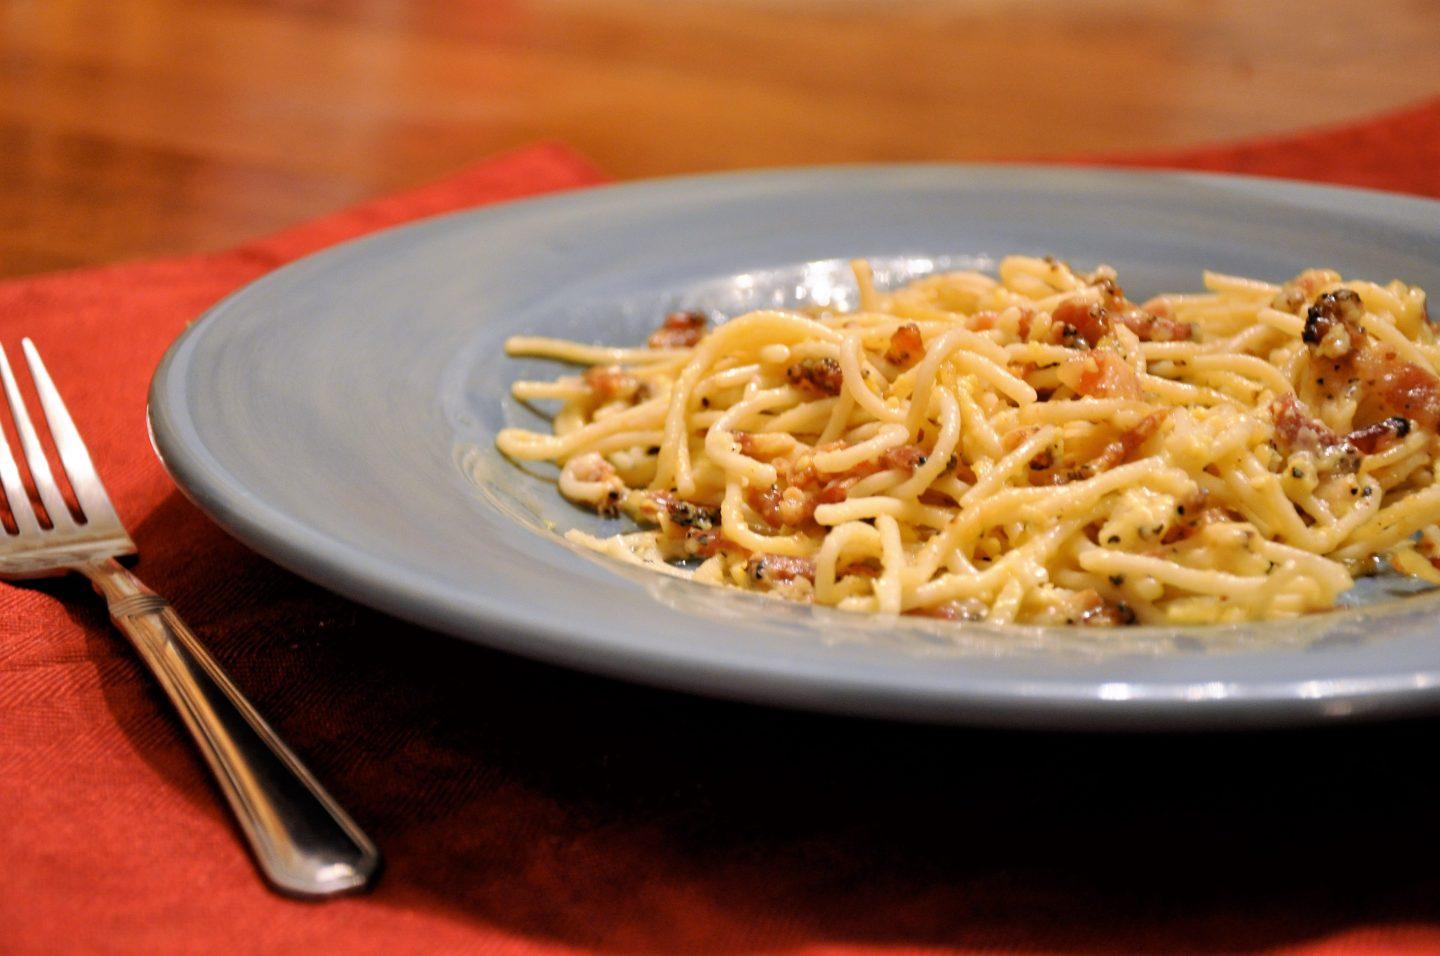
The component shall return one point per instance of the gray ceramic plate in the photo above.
(338, 416)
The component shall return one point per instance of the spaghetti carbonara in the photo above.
(1032, 448)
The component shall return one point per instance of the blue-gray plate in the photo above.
(339, 417)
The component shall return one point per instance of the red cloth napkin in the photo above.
(524, 808)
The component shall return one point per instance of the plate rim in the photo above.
(356, 576)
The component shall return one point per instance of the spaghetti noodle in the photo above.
(1032, 448)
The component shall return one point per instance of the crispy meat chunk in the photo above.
(1047, 469)
(766, 503)
(820, 376)
(1149, 327)
(1296, 294)
(1348, 362)
(695, 527)
(1082, 325)
(985, 321)
(1373, 438)
(967, 609)
(803, 487)
(687, 514)
(680, 330)
(1121, 449)
(906, 346)
(783, 507)
(610, 382)
(1397, 389)
(1103, 612)
(1332, 325)
(771, 569)
(1297, 430)
(1192, 514)
(1097, 373)
(904, 458)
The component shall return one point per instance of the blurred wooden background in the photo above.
(132, 128)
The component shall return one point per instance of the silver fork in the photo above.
(304, 843)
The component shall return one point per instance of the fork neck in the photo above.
(113, 581)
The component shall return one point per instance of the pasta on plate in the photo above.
(1032, 448)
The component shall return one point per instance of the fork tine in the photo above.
(89, 491)
(34, 451)
(20, 507)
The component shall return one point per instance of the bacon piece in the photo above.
(1100, 374)
(1295, 294)
(1186, 529)
(820, 376)
(1155, 328)
(985, 321)
(783, 507)
(1407, 388)
(906, 346)
(1192, 514)
(1082, 324)
(1119, 451)
(1396, 389)
(773, 569)
(968, 609)
(807, 488)
(1102, 612)
(904, 458)
(680, 330)
(695, 527)
(609, 382)
(797, 506)
(1346, 357)
(1046, 470)
(767, 504)
(1372, 438)
(1332, 326)
(1297, 430)
(687, 514)
(703, 542)
(798, 472)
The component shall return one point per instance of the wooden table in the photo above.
(131, 128)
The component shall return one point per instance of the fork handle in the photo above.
(303, 842)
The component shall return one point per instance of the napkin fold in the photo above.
(528, 809)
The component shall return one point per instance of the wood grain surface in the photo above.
(131, 128)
